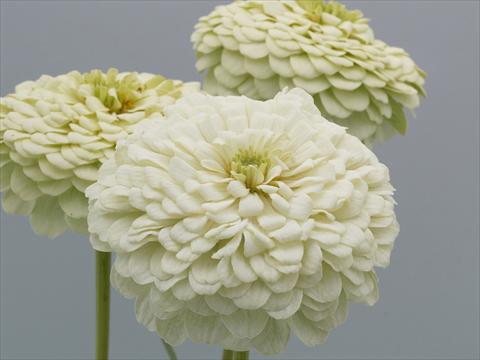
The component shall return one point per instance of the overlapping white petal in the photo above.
(56, 132)
(237, 221)
(256, 48)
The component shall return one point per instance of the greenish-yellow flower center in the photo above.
(315, 9)
(118, 95)
(250, 167)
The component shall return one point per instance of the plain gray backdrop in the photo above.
(429, 296)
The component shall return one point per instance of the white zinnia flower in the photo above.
(236, 221)
(257, 48)
(56, 132)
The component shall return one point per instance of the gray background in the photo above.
(429, 303)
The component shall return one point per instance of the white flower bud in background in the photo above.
(256, 48)
(56, 132)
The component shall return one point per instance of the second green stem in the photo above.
(235, 355)
(102, 280)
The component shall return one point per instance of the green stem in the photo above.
(240, 355)
(102, 266)
(170, 350)
(227, 355)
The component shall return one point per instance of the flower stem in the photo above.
(240, 355)
(227, 354)
(170, 350)
(102, 266)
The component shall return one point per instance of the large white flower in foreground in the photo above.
(56, 132)
(257, 48)
(236, 221)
